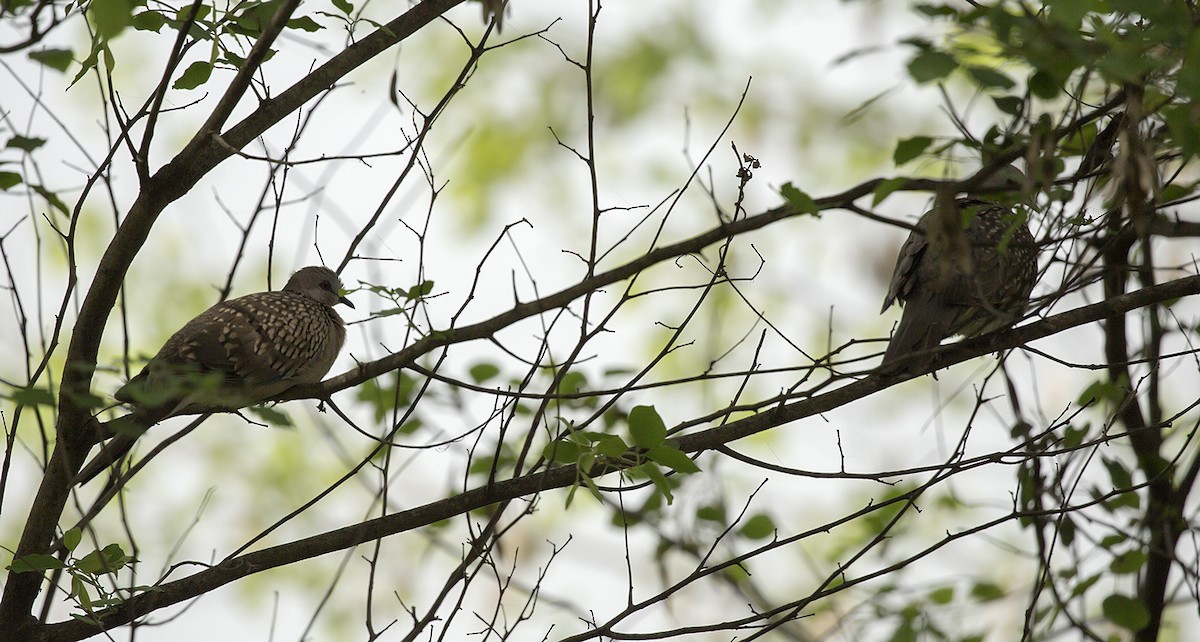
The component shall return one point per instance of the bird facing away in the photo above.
(981, 286)
(237, 353)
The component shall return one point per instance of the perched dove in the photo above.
(235, 354)
(944, 294)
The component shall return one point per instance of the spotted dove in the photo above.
(982, 287)
(235, 354)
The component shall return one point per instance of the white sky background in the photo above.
(836, 266)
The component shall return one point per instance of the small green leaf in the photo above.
(343, 6)
(943, 595)
(673, 458)
(885, 189)
(72, 538)
(760, 526)
(33, 397)
(51, 198)
(1126, 612)
(1117, 472)
(149, 21)
(990, 78)
(646, 427)
(110, 17)
(928, 66)
(561, 451)
(660, 480)
(986, 592)
(195, 75)
(607, 445)
(184, 12)
(107, 560)
(304, 23)
(711, 514)
(25, 143)
(36, 563)
(572, 383)
(56, 59)
(1083, 586)
(1044, 86)
(910, 148)
(419, 290)
(271, 416)
(1073, 436)
(9, 180)
(593, 489)
(483, 372)
(1101, 391)
(1066, 530)
(798, 199)
(1011, 105)
(1128, 562)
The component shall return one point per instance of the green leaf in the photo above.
(593, 489)
(184, 12)
(910, 148)
(72, 538)
(1128, 562)
(1083, 586)
(943, 595)
(1073, 436)
(254, 18)
(9, 180)
(799, 200)
(986, 592)
(646, 427)
(711, 514)
(1044, 86)
(195, 75)
(928, 66)
(483, 372)
(990, 78)
(304, 23)
(110, 17)
(33, 397)
(607, 445)
(1126, 612)
(149, 21)
(271, 416)
(419, 290)
(110, 559)
(1101, 391)
(344, 6)
(660, 480)
(25, 143)
(56, 59)
(572, 383)
(36, 563)
(1066, 531)
(1120, 476)
(885, 189)
(1011, 105)
(673, 458)
(562, 451)
(760, 526)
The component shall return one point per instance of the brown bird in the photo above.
(237, 353)
(966, 281)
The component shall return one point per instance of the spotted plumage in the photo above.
(985, 289)
(235, 354)
(248, 349)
